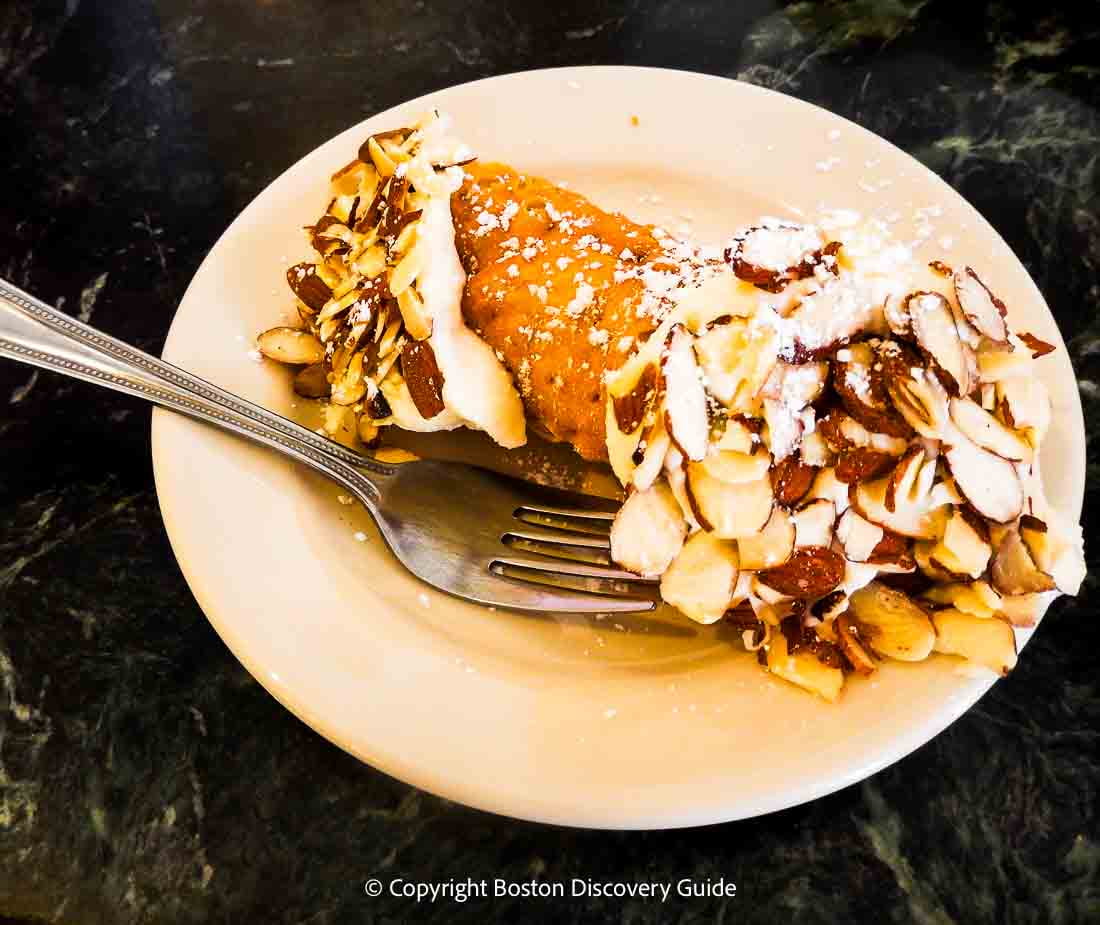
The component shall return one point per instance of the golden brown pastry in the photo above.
(561, 290)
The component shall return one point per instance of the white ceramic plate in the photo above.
(609, 723)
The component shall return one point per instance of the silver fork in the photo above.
(470, 532)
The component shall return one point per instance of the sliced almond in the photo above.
(987, 432)
(935, 331)
(814, 451)
(804, 669)
(987, 481)
(685, 398)
(912, 516)
(308, 286)
(292, 346)
(1021, 609)
(657, 444)
(312, 381)
(737, 437)
(893, 554)
(811, 571)
(418, 322)
(848, 638)
(861, 464)
(982, 309)
(730, 510)
(730, 466)
(648, 531)
(976, 598)
(813, 523)
(986, 642)
(772, 546)
(859, 381)
(891, 623)
(737, 359)
(827, 486)
(631, 408)
(1014, 571)
(962, 549)
(700, 580)
(351, 386)
(422, 376)
(791, 479)
(859, 537)
(1038, 348)
(1024, 403)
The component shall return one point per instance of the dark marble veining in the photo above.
(145, 777)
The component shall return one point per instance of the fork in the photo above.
(512, 544)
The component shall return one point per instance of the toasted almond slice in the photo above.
(631, 408)
(1021, 609)
(657, 444)
(987, 481)
(859, 537)
(685, 398)
(931, 567)
(962, 549)
(648, 531)
(998, 365)
(976, 598)
(935, 331)
(893, 554)
(383, 163)
(861, 464)
(859, 381)
(814, 451)
(813, 523)
(1038, 348)
(418, 322)
(770, 547)
(827, 486)
(422, 376)
(701, 579)
(902, 481)
(987, 642)
(912, 516)
(737, 359)
(1014, 571)
(791, 479)
(351, 386)
(312, 381)
(982, 309)
(729, 466)
(308, 286)
(737, 437)
(811, 571)
(1024, 403)
(848, 638)
(891, 623)
(291, 345)
(804, 669)
(730, 510)
(987, 432)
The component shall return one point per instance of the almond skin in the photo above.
(810, 572)
(422, 376)
(791, 479)
(308, 286)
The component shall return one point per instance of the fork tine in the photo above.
(607, 592)
(568, 548)
(617, 576)
(593, 523)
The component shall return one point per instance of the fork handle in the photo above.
(34, 333)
